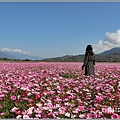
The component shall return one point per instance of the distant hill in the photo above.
(112, 55)
(111, 51)
(16, 55)
(67, 58)
(4, 55)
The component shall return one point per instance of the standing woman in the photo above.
(89, 61)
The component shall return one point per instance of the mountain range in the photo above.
(111, 51)
(16, 55)
(112, 55)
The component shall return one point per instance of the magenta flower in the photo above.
(98, 98)
(81, 107)
(13, 97)
(89, 116)
(115, 116)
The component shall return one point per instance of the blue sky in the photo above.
(52, 29)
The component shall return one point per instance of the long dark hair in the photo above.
(89, 50)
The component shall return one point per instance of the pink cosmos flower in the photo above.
(97, 114)
(37, 96)
(2, 114)
(13, 97)
(62, 110)
(98, 98)
(115, 116)
(25, 98)
(30, 100)
(38, 115)
(81, 108)
(17, 112)
(108, 110)
(89, 116)
(25, 112)
(76, 110)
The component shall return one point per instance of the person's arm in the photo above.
(94, 60)
(85, 62)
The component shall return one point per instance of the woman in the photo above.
(89, 61)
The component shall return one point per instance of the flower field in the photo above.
(58, 90)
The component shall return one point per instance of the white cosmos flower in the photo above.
(14, 109)
(26, 117)
(29, 94)
(81, 116)
(19, 116)
(57, 105)
(119, 84)
(30, 110)
(39, 104)
(67, 114)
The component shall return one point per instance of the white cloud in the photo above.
(14, 50)
(111, 40)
